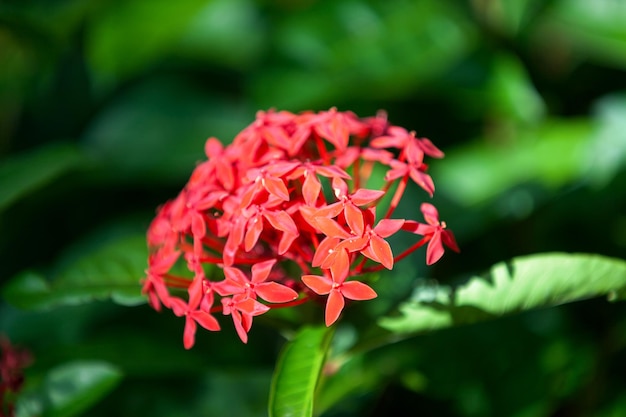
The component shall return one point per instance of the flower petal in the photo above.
(255, 227)
(228, 287)
(334, 305)
(331, 228)
(341, 266)
(198, 226)
(434, 251)
(251, 307)
(330, 211)
(178, 306)
(355, 290)
(331, 171)
(364, 196)
(325, 248)
(195, 291)
(237, 321)
(281, 220)
(448, 239)
(205, 320)
(320, 285)
(382, 250)
(354, 218)
(387, 227)
(429, 148)
(423, 180)
(274, 292)
(311, 188)
(431, 215)
(189, 334)
(387, 142)
(262, 270)
(277, 187)
(236, 276)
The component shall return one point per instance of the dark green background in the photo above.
(104, 110)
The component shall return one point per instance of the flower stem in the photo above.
(397, 196)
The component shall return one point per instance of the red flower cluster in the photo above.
(284, 214)
(12, 363)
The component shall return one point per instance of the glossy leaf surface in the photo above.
(297, 373)
(525, 283)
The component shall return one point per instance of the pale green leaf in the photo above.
(525, 283)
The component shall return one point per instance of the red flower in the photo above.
(12, 362)
(349, 205)
(337, 287)
(291, 193)
(311, 186)
(417, 172)
(242, 309)
(435, 231)
(279, 220)
(192, 314)
(398, 137)
(237, 282)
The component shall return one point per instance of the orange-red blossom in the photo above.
(290, 193)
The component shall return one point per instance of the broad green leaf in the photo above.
(297, 373)
(27, 172)
(69, 389)
(525, 283)
(111, 271)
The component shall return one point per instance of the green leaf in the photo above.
(525, 283)
(110, 271)
(27, 172)
(69, 389)
(297, 372)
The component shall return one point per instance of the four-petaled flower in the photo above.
(237, 282)
(434, 232)
(337, 287)
(192, 313)
(287, 213)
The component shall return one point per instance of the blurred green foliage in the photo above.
(104, 110)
